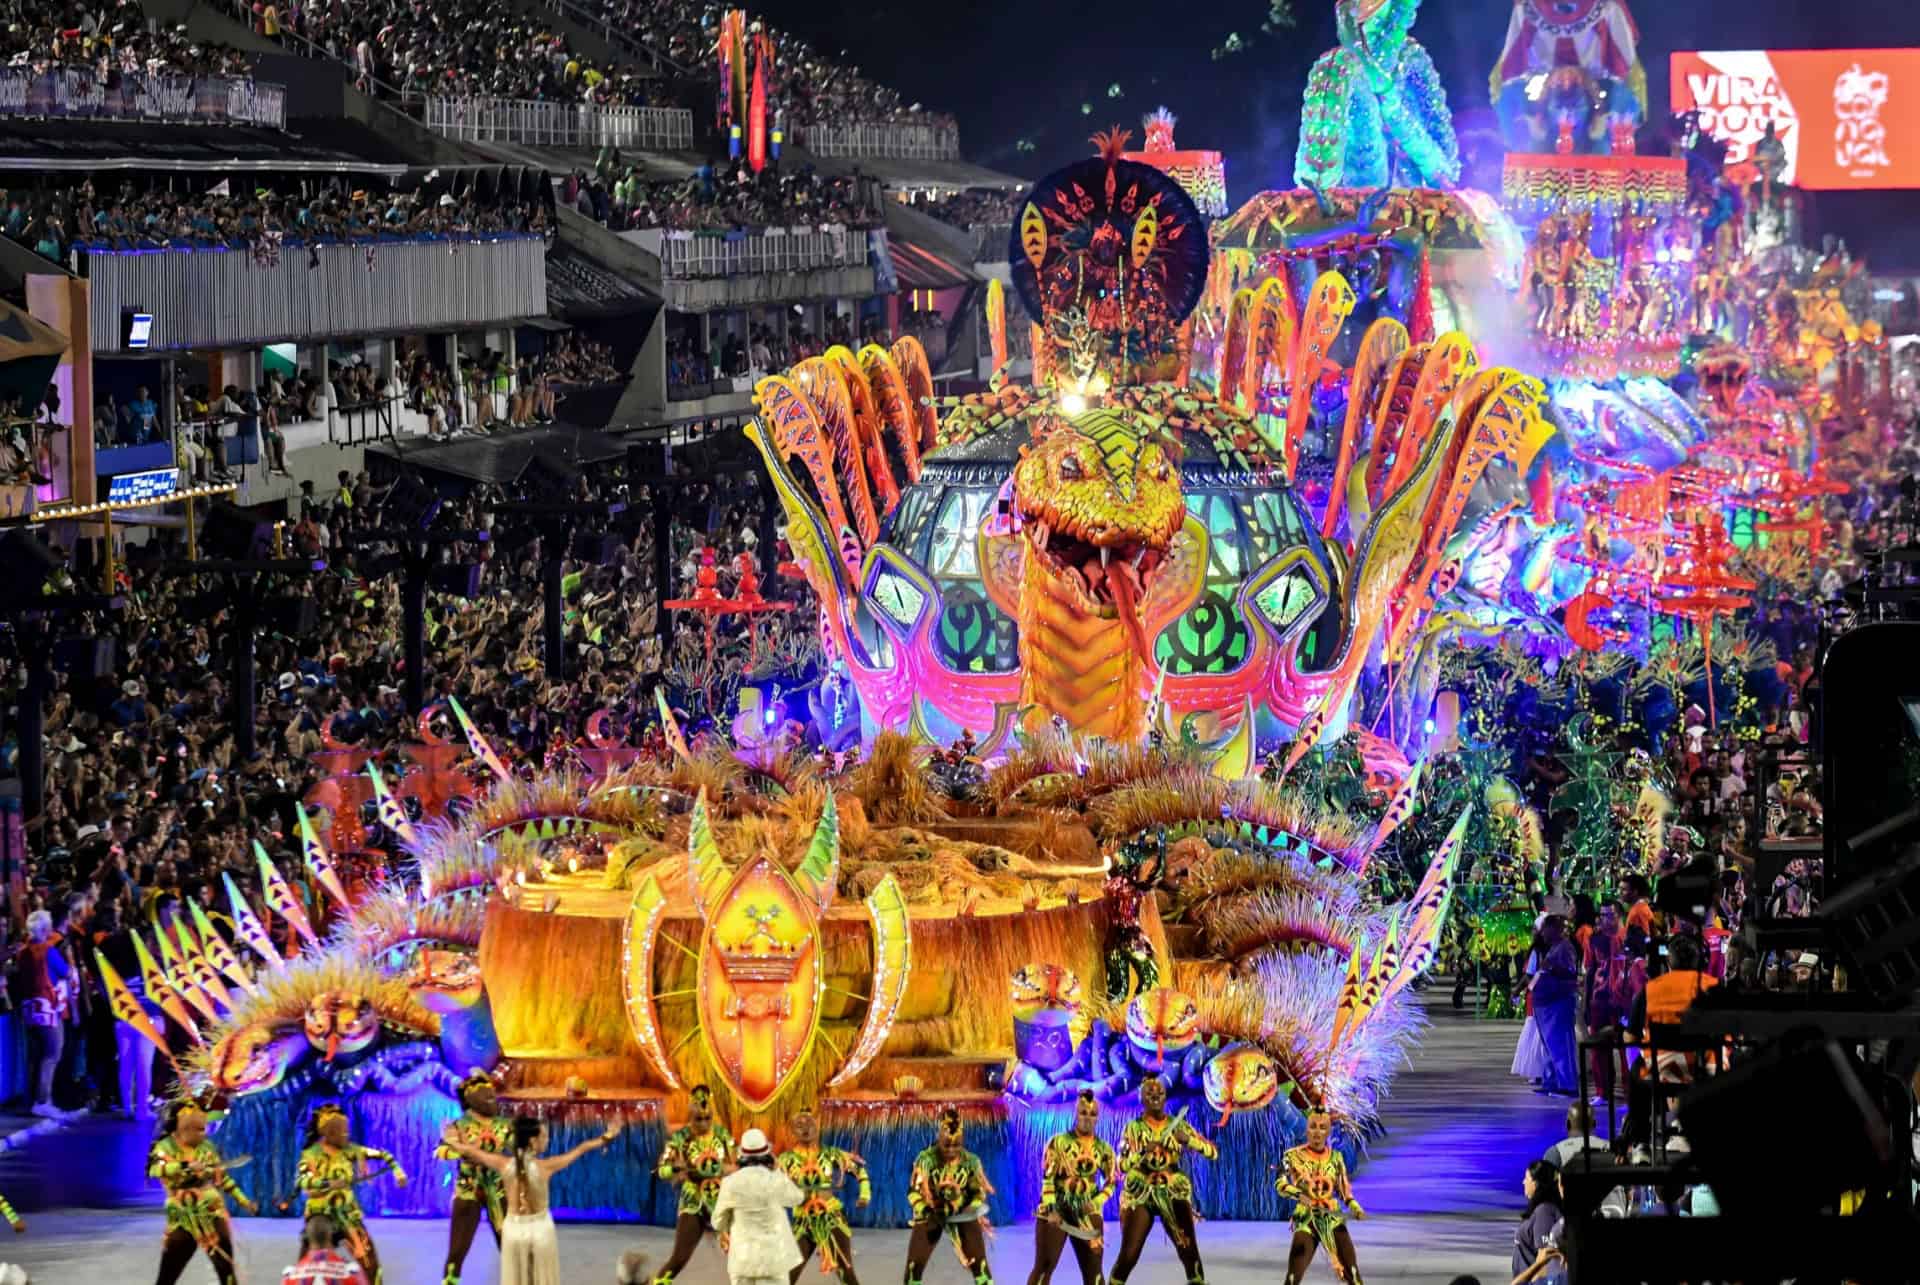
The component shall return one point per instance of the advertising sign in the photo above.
(1848, 118)
(155, 484)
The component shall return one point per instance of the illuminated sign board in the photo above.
(154, 484)
(1848, 118)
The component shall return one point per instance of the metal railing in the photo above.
(895, 141)
(80, 94)
(539, 123)
(733, 254)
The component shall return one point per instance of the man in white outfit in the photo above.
(756, 1232)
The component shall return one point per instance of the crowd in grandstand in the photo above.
(975, 207)
(55, 218)
(734, 197)
(762, 351)
(107, 38)
(466, 48)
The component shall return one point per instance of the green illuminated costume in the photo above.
(196, 1202)
(703, 1156)
(820, 1219)
(1150, 1153)
(1076, 1175)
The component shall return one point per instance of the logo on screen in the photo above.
(1859, 135)
(130, 488)
(1738, 96)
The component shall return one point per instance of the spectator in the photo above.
(1535, 1242)
(45, 986)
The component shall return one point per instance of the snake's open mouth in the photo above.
(1112, 577)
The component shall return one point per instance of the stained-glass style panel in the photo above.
(974, 636)
(1211, 638)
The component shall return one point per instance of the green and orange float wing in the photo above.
(248, 927)
(1348, 1004)
(706, 871)
(1427, 912)
(895, 406)
(911, 358)
(997, 323)
(1399, 808)
(319, 860)
(179, 979)
(477, 743)
(281, 899)
(1269, 343)
(1328, 307)
(1236, 758)
(637, 953)
(128, 1009)
(1380, 347)
(219, 954)
(816, 546)
(1449, 360)
(819, 873)
(820, 383)
(392, 815)
(793, 430)
(892, 961)
(194, 961)
(162, 989)
(670, 727)
(868, 428)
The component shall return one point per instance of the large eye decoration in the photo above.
(1070, 470)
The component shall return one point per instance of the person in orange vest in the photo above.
(1663, 1002)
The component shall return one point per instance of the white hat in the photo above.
(753, 1143)
(288, 681)
(130, 688)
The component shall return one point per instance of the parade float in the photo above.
(1144, 669)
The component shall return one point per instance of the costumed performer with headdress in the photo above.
(477, 1190)
(697, 1157)
(820, 1220)
(1154, 1186)
(529, 1244)
(330, 1168)
(948, 1191)
(1314, 1177)
(1077, 1173)
(197, 1184)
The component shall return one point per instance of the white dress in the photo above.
(751, 1211)
(529, 1248)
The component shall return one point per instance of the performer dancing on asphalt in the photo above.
(1155, 1187)
(697, 1157)
(820, 1221)
(330, 1168)
(1077, 1173)
(948, 1192)
(1314, 1177)
(477, 1190)
(197, 1184)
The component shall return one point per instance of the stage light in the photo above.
(1072, 404)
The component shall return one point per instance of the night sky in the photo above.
(1014, 71)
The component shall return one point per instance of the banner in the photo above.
(67, 93)
(1848, 118)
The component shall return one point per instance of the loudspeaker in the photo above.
(458, 579)
(1786, 1130)
(84, 658)
(232, 532)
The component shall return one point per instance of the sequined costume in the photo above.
(197, 1186)
(1316, 1182)
(1150, 1153)
(702, 1155)
(820, 1219)
(327, 1179)
(1076, 1175)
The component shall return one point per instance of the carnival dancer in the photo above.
(1077, 1173)
(197, 1184)
(529, 1244)
(330, 1168)
(1154, 1185)
(1314, 1177)
(697, 1157)
(820, 1221)
(948, 1192)
(477, 1188)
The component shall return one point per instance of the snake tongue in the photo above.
(1123, 590)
